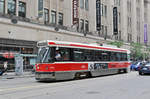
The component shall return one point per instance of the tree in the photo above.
(136, 51)
(116, 43)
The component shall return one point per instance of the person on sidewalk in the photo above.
(1, 72)
(5, 66)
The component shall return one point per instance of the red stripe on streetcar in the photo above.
(118, 65)
(62, 67)
(51, 43)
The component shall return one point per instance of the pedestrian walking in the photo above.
(1, 72)
(5, 67)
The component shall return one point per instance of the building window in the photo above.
(119, 18)
(11, 7)
(102, 29)
(46, 16)
(105, 30)
(129, 37)
(120, 35)
(86, 26)
(22, 9)
(87, 5)
(53, 17)
(1, 6)
(102, 9)
(82, 4)
(105, 10)
(60, 19)
(81, 25)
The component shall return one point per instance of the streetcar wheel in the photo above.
(125, 70)
(77, 76)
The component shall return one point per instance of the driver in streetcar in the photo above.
(58, 55)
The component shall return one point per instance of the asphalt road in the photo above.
(120, 86)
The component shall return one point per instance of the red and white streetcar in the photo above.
(59, 60)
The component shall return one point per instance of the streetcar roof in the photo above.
(79, 45)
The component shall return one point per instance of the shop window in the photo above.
(26, 50)
(22, 9)
(2, 6)
(11, 7)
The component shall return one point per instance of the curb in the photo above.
(13, 76)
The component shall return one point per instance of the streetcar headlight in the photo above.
(38, 67)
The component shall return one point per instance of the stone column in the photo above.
(17, 7)
(5, 7)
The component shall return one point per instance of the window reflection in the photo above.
(1, 6)
(11, 7)
(22, 9)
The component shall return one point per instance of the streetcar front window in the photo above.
(44, 55)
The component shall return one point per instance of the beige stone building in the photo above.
(24, 22)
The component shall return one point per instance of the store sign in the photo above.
(40, 8)
(75, 15)
(98, 15)
(145, 33)
(115, 21)
(8, 55)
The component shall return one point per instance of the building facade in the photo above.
(24, 22)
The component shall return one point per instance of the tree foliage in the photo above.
(136, 51)
(116, 43)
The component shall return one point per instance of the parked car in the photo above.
(144, 69)
(135, 65)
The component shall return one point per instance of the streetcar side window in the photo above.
(118, 56)
(89, 55)
(113, 56)
(63, 54)
(124, 55)
(78, 55)
(98, 56)
(105, 56)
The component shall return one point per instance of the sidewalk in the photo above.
(12, 75)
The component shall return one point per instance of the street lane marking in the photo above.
(23, 88)
(33, 86)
